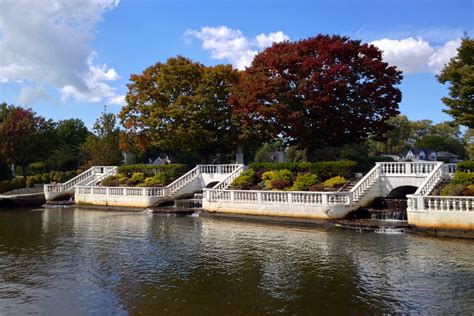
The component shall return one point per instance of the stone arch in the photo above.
(211, 184)
(402, 191)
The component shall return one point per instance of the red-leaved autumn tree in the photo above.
(321, 91)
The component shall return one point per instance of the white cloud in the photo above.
(225, 43)
(416, 55)
(118, 100)
(47, 43)
(30, 94)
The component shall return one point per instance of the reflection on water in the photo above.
(78, 262)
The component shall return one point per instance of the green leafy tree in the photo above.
(182, 108)
(469, 141)
(459, 74)
(24, 136)
(102, 146)
(70, 136)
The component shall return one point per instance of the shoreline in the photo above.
(355, 225)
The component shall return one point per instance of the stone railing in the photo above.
(441, 203)
(161, 192)
(110, 171)
(366, 182)
(224, 184)
(61, 187)
(432, 180)
(297, 197)
(406, 168)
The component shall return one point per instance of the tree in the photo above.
(469, 141)
(70, 136)
(324, 90)
(181, 107)
(459, 73)
(103, 145)
(24, 136)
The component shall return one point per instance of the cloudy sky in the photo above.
(69, 58)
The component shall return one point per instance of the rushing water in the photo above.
(81, 262)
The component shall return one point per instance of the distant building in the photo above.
(420, 154)
(425, 154)
(446, 156)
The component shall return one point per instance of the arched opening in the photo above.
(211, 184)
(402, 192)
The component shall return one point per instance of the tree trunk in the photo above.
(24, 169)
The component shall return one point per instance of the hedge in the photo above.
(324, 169)
(8, 185)
(466, 166)
(150, 170)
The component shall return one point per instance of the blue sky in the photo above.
(68, 58)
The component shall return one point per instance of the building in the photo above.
(415, 154)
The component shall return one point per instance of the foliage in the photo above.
(102, 147)
(304, 181)
(182, 106)
(15, 183)
(277, 178)
(459, 74)
(323, 169)
(110, 181)
(318, 187)
(324, 90)
(70, 136)
(469, 141)
(278, 184)
(439, 143)
(466, 166)
(469, 190)
(5, 172)
(176, 169)
(24, 136)
(136, 178)
(335, 182)
(294, 154)
(245, 180)
(464, 178)
(452, 190)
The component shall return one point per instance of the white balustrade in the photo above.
(441, 203)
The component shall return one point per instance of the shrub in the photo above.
(466, 166)
(469, 190)
(279, 184)
(36, 167)
(317, 187)
(304, 181)
(46, 178)
(465, 178)
(136, 178)
(335, 182)
(329, 169)
(278, 175)
(111, 181)
(159, 179)
(452, 190)
(175, 169)
(122, 179)
(245, 180)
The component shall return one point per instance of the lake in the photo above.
(83, 262)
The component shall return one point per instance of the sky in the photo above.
(70, 58)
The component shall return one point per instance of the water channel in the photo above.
(83, 262)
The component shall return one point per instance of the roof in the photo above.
(417, 151)
(446, 154)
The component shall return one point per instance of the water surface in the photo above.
(82, 262)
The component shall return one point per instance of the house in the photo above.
(446, 156)
(414, 154)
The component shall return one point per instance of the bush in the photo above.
(151, 170)
(245, 180)
(36, 167)
(5, 172)
(323, 170)
(469, 190)
(466, 166)
(137, 177)
(335, 182)
(452, 190)
(304, 181)
(111, 181)
(46, 178)
(278, 175)
(15, 183)
(317, 187)
(464, 178)
(278, 184)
